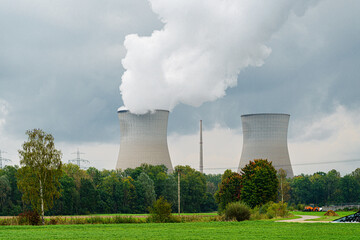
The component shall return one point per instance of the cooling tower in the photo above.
(265, 137)
(143, 139)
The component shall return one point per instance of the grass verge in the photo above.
(196, 230)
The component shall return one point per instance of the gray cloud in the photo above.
(60, 64)
(60, 68)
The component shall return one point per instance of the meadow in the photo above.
(193, 230)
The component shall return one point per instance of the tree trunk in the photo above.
(42, 203)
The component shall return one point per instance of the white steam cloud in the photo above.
(200, 51)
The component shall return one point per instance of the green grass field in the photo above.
(322, 216)
(196, 230)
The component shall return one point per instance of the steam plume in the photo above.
(200, 51)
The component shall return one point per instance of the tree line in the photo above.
(323, 188)
(135, 190)
(115, 191)
(45, 184)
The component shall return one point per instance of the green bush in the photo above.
(263, 209)
(237, 211)
(277, 210)
(161, 211)
(300, 207)
(259, 213)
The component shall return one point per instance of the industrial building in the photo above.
(143, 139)
(265, 137)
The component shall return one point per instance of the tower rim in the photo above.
(256, 114)
(149, 111)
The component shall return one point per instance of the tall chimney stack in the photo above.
(201, 150)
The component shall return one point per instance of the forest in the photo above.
(134, 190)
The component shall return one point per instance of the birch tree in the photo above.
(38, 177)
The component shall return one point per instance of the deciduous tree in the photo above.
(38, 177)
(284, 186)
(260, 183)
(229, 189)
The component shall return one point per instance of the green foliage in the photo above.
(161, 211)
(237, 211)
(169, 191)
(38, 178)
(12, 202)
(88, 197)
(74, 171)
(300, 207)
(284, 186)
(129, 195)
(229, 189)
(332, 185)
(260, 183)
(350, 188)
(318, 188)
(145, 192)
(326, 188)
(5, 191)
(192, 188)
(212, 182)
(301, 189)
(277, 210)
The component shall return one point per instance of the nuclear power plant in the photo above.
(143, 139)
(265, 137)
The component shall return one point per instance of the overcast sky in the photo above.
(61, 68)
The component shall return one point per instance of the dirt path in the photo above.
(303, 219)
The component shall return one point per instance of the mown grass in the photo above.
(196, 230)
(341, 213)
(321, 215)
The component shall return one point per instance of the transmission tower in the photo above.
(78, 160)
(3, 160)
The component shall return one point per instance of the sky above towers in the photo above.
(61, 67)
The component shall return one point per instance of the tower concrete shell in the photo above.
(265, 137)
(143, 139)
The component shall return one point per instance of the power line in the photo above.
(298, 164)
(78, 160)
(3, 160)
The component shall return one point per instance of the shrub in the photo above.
(120, 219)
(94, 220)
(300, 207)
(263, 209)
(160, 211)
(54, 221)
(237, 211)
(277, 210)
(29, 217)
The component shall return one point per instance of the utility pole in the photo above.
(179, 192)
(201, 150)
(3, 160)
(78, 160)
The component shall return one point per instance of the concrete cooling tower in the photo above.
(265, 137)
(143, 139)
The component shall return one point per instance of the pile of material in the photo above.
(351, 218)
(331, 213)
